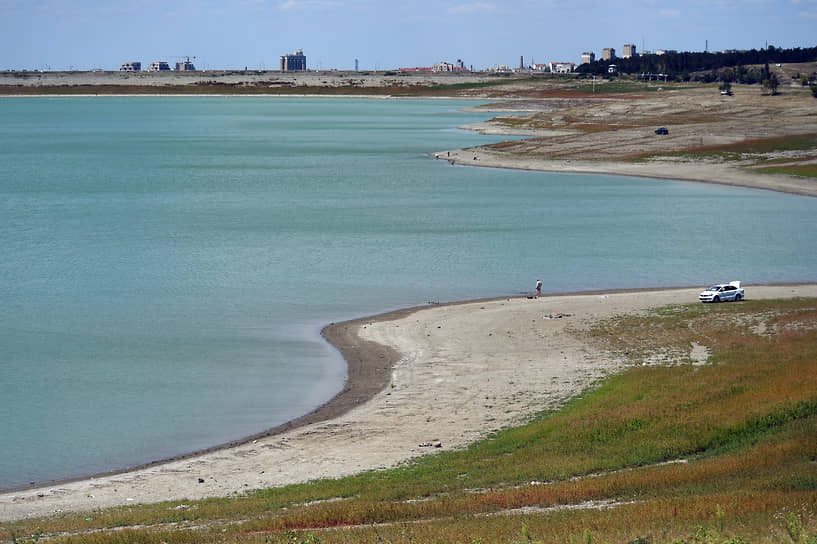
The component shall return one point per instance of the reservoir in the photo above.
(168, 262)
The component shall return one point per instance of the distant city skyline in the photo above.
(381, 35)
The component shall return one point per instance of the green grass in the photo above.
(751, 150)
(802, 170)
(757, 155)
(679, 452)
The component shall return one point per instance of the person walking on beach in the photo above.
(538, 288)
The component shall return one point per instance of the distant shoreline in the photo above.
(237, 95)
(239, 82)
(708, 173)
(484, 156)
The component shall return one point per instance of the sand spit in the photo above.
(460, 371)
(721, 174)
(615, 134)
(567, 128)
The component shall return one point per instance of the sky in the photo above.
(382, 35)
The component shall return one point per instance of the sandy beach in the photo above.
(421, 380)
(707, 173)
(615, 135)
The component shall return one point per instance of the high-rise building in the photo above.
(608, 53)
(185, 66)
(628, 51)
(295, 62)
(588, 57)
(159, 66)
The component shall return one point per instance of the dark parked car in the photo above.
(662, 130)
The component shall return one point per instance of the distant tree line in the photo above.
(704, 66)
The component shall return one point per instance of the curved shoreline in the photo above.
(453, 373)
(482, 156)
(368, 370)
(369, 367)
(719, 174)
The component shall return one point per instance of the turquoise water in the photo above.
(168, 262)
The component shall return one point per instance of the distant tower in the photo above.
(355, 65)
(521, 62)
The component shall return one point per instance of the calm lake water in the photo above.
(168, 262)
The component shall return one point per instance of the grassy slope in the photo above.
(724, 452)
(756, 154)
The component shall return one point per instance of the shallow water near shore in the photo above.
(169, 262)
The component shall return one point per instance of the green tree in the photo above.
(771, 83)
(814, 90)
(740, 74)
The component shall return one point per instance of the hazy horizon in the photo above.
(91, 34)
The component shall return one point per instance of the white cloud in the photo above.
(670, 13)
(470, 9)
(299, 5)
